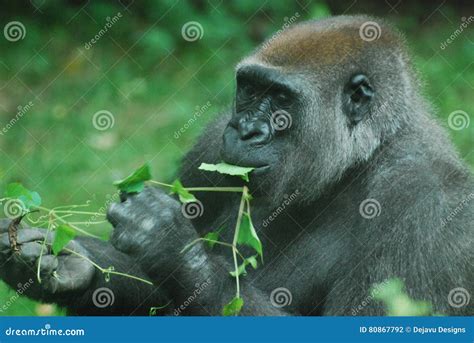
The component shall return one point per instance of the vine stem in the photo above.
(236, 236)
(160, 183)
(79, 212)
(43, 246)
(78, 229)
(211, 241)
(202, 189)
(215, 189)
(106, 270)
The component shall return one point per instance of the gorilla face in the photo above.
(262, 121)
(286, 124)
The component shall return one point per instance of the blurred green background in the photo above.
(152, 80)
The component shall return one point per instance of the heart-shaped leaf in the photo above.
(135, 182)
(248, 235)
(234, 307)
(228, 169)
(252, 260)
(29, 199)
(64, 234)
(183, 194)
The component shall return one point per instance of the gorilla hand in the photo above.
(60, 275)
(151, 227)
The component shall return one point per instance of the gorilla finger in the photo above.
(30, 235)
(4, 223)
(72, 274)
(122, 240)
(119, 213)
(48, 266)
(152, 193)
(30, 252)
(73, 247)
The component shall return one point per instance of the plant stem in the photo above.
(236, 236)
(72, 206)
(202, 189)
(215, 189)
(160, 183)
(78, 212)
(43, 246)
(104, 270)
(212, 241)
(78, 229)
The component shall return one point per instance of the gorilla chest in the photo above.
(297, 261)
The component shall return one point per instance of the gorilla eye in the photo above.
(249, 91)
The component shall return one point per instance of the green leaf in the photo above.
(234, 307)
(213, 236)
(228, 169)
(135, 182)
(64, 234)
(252, 260)
(248, 235)
(396, 300)
(183, 194)
(28, 198)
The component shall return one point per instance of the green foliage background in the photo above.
(152, 80)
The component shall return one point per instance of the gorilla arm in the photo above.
(70, 280)
(150, 227)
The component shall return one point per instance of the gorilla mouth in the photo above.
(260, 170)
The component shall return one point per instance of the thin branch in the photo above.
(236, 236)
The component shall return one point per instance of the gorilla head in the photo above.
(316, 100)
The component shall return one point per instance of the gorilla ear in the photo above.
(358, 93)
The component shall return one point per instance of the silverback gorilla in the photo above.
(356, 137)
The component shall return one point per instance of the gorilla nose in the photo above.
(254, 132)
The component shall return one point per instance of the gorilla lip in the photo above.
(260, 170)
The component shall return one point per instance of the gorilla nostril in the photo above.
(254, 132)
(249, 135)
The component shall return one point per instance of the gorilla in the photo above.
(354, 183)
